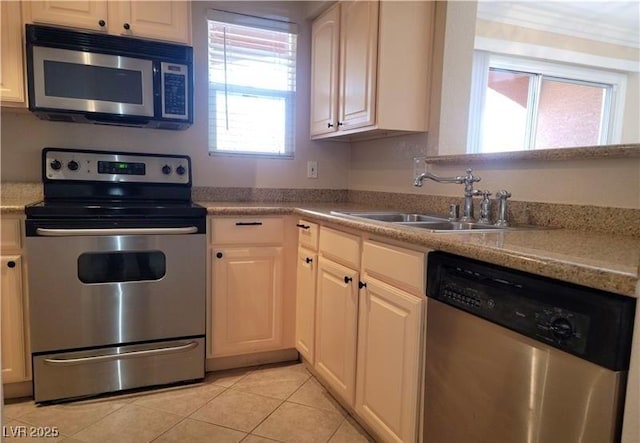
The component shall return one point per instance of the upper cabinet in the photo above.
(163, 20)
(11, 69)
(370, 69)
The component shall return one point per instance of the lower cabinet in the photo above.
(336, 327)
(247, 301)
(369, 327)
(15, 366)
(389, 367)
(306, 274)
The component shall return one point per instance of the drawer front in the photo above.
(308, 234)
(247, 230)
(340, 247)
(402, 268)
(11, 234)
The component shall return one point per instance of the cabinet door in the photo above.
(161, 20)
(389, 353)
(336, 327)
(11, 72)
(246, 300)
(80, 14)
(324, 72)
(13, 339)
(358, 61)
(306, 274)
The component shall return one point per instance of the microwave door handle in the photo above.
(49, 232)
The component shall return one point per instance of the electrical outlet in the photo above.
(419, 166)
(312, 169)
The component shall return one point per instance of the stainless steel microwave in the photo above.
(86, 77)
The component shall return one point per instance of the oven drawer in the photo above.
(73, 374)
(247, 230)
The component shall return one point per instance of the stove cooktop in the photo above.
(114, 208)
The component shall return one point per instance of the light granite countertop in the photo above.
(603, 261)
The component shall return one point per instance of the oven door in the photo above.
(91, 288)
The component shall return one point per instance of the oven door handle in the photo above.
(125, 355)
(49, 232)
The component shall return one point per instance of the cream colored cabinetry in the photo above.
(161, 20)
(247, 286)
(13, 306)
(325, 32)
(11, 69)
(382, 69)
(369, 327)
(337, 311)
(306, 277)
(390, 337)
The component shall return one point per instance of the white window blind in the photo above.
(252, 83)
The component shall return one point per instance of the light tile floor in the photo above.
(282, 403)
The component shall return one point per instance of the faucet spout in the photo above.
(420, 179)
(468, 180)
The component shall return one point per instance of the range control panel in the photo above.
(82, 165)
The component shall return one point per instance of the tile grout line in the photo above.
(278, 407)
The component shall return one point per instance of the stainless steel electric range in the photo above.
(116, 256)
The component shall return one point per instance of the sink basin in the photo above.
(421, 221)
(393, 217)
(448, 226)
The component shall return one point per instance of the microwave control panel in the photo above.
(175, 92)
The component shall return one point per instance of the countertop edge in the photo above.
(604, 279)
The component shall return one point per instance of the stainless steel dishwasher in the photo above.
(516, 358)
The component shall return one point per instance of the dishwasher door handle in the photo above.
(110, 357)
(50, 232)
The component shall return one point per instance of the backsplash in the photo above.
(619, 221)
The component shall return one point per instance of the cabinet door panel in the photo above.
(324, 72)
(79, 14)
(307, 271)
(11, 72)
(161, 20)
(389, 352)
(13, 338)
(358, 61)
(246, 300)
(336, 326)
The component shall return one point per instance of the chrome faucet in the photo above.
(468, 180)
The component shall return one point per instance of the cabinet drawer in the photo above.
(402, 268)
(308, 234)
(11, 237)
(247, 230)
(341, 247)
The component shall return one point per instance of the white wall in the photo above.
(23, 136)
(386, 165)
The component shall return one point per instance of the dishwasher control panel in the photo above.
(563, 328)
(586, 322)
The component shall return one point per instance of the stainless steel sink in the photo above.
(393, 217)
(421, 221)
(449, 226)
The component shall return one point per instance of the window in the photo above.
(537, 105)
(252, 83)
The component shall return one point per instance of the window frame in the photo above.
(289, 96)
(483, 61)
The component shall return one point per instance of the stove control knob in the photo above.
(55, 165)
(166, 169)
(180, 170)
(73, 165)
